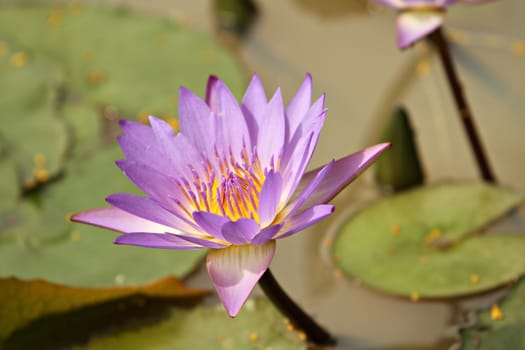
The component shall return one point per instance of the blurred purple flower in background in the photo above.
(233, 180)
(418, 18)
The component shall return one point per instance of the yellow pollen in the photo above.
(19, 59)
(41, 175)
(518, 48)
(395, 229)
(228, 185)
(302, 336)
(474, 279)
(432, 236)
(96, 77)
(423, 68)
(55, 18)
(254, 337)
(75, 236)
(495, 313)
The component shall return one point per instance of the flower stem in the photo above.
(299, 319)
(464, 111)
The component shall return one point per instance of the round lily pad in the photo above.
(427, 242)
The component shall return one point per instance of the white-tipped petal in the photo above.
(414, 25)
(235, 270)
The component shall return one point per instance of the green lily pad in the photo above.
(258, 326)
(32, 134)
(113, 57)
(426, 243)
(494, 330)
(44, 244)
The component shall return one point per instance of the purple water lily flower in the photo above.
(231, 180)
(420, 17)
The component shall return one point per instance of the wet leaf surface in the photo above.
(258, 326)
(24, 301)
(425, 242)
(503, 330)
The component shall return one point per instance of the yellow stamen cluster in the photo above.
(226, 187)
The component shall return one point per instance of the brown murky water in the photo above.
(349, 48)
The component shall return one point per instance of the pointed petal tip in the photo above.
(77, 217)
(123, 122)
(308, 77)
(413, 26)
(381, 147)
(152, 119)
(120, 163)
(213, 80)
(236, 270)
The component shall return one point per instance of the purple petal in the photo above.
(231, 125)
(152, 182)
(305, 219)
(205, 242)
(211, 223)
(118, 220)
(155, 240)
(270, 140)
(270, 198)
(311, 120)
(397, 4)
(301, 147)
(254, 105)
(298, 203)
(148, 209)
(178, 150)
(196, 120)
(266, 235)
(299, 160)
(138, 143)
(342, 173)
(235, 270)
(241, 231)
(414, 25)
(299, 105)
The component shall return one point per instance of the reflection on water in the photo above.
(349, 48)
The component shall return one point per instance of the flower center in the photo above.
(238, 197)
(226, 187)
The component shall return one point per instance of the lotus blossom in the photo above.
(233, 180)
(420, 17)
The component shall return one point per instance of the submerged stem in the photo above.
(462, 106)
(299, 319)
